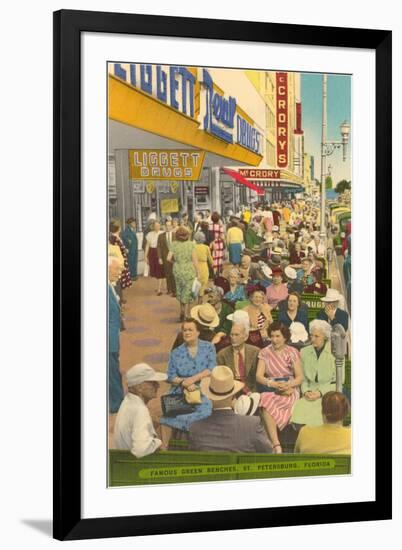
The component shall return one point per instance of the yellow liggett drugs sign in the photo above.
(169, 164)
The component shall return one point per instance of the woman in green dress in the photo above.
(319, 375)
(182, 253)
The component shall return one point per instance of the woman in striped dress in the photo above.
(279, 370)
(218, 242)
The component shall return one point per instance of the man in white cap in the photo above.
(331, 312)
(133, 429)
(224, 430)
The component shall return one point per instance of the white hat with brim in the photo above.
(332, 295)
(290, 272)
(267, 271)
(221, 384)
(246, 405)
(142, 372)
(206, 315)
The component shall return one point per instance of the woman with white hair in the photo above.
(319, 369)
(236, 292)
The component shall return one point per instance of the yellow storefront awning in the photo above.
(133, 107)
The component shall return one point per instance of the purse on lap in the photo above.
(173, 405)
(193, 397)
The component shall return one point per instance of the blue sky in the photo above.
(338, 109)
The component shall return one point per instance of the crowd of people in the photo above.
(251, 361)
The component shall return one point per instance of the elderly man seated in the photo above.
(224, 430)
(133, 429)
(253, 271)
(240, 357)
(331, 312)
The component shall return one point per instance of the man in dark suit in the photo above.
(116, 393)
(331, 312)
(225, 430)
(164, 241)
(240, 357)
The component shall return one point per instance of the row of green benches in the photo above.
(183, 466)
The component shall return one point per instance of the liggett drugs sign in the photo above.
(169, 164)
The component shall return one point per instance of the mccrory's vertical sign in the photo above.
(282, 130)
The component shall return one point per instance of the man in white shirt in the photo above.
(133, 428)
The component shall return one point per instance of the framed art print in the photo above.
(211, 336)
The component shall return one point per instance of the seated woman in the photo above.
(188, 364)
(259, 313)
(278, 290)
(207, 320)
(279, 370)
(236, 292)
(293, 311)
(331, 436)
(319, 370)
(317, 286)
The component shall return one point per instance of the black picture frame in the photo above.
(68, 27)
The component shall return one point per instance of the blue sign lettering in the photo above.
(248, 136)
(161, 84)
(174, 86)
(187, 77)
(146, 78)
(133, 78)
(218, 109)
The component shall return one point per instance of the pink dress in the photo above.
(279, 365)
(275, 294)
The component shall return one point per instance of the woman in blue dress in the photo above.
(130, 240)
(188, 364)
(236, 292)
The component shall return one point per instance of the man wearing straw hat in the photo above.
(331, 312)
(224, 430)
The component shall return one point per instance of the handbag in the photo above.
(192, 397)
(173, 405)
(196, 287)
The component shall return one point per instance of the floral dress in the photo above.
(183, 365)
(183, 269)
(125, 277)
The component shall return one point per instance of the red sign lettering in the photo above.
(282, 128)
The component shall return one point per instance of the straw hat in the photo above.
(221, 384)
(332, 295)
(206, 315)
(246, 405)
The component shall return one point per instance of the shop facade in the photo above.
(171, 129)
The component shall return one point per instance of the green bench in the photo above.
(187, 466)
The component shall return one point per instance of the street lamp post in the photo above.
(327, 148)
